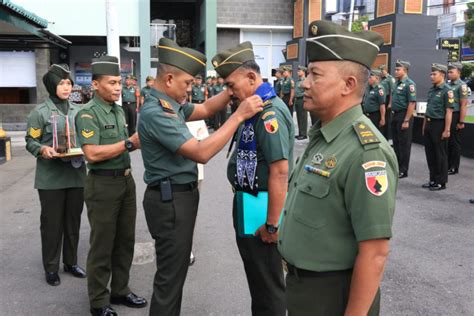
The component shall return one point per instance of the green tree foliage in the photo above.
(357, 25)
(469, 27)
(467, 69)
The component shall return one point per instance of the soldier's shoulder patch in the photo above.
(412, 88)
(365, 133)
(464, 90)
(271, 125)
(376, 180)
(87, 133)
(86, 115)
(167, 107)
(381, 93)
(35, 132)
(267, 114)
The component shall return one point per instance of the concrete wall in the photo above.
(13, 116)
(227, 38)
(251, 12)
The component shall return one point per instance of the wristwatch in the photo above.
(128, 145)
(271, 229)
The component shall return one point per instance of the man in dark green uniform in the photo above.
(459, 114)
(403, 106)
(109, 191)
(170, 154)
(260, 163)
(129, 104)
(436, 127)
(338, 214)
(278, 80)
(198, 91)
(221, 115)
(301, 113)
(374, 101)
(146, 90)
(287, 93)
(388, 83)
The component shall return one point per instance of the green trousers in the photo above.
(60, 222)
(171, 225)
(302, 117)
(112, 209)
(322, 295)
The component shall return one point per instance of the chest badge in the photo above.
(317, 159)
(331, 162)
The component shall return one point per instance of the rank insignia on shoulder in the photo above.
(85, 115)
(87, 133)
(365, 134)
(267, 114)
(271, 125)
(35, 132)
(167, 107)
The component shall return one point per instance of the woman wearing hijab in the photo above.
(59, 181)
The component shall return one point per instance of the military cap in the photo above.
(382, 67)
(302, 68)
(55, 74)
(455, 65)
(226, 62)
(287, 68)
(150, 78)
(376, 72)
(439, 67)
(330, 41)
(106, 66)
(129, 76)
(402, 63)
(188, 60)
(198, 77)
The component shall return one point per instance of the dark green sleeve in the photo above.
(34, 132)
(188, 109)
(169, 130)
(273, 136)
(87, 127)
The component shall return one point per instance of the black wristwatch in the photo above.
(129, 145)
(271, 229)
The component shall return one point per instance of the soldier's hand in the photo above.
(382, 123)
(405, 125)
(459, 126)
(265, 236)
(47, 152)
(249, 107)
(445, 134)
(290, 103)
(135, 140)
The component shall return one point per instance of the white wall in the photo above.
(84, 17)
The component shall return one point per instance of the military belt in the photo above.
(429, 119)
(128, 103)
(198, 101)
(176, 187)
(292, 270)
(112, 172)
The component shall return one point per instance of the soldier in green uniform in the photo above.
(278, 80)
(301, 113)
(170, 154)
(109, 191)
(287, 93)
(338, 214)
(260, 163)
(403, 106)
(437, 127)
(60, 182)
(198, 91)
(374, 101)
(129, 104)
(221, 115)
(388, 83)
(146, 90)
(459, 114)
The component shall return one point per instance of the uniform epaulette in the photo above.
(366, 135)
(166, 106)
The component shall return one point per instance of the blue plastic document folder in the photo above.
(251, 212)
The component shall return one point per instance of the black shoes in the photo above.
(471, 201)
(104, 311)
(52, 278)
(437, 187)
(75, 270)
(402, 175)
(453, 171)
(301, 137)
(130, 300)
(428, 185)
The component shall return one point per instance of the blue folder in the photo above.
(251, 212)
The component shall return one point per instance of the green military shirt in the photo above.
(128, 94)
(439, 98)
(341, 192)
(52, 174)
(277, 87)
(275, 133)
(145, 92)
(198, 93)
(218, 89)
(162, 130)
(299, 91)
(374, 97)
(101, 123)
(404, 92)
(388, 83)
(210, 91)
(460, 93)
(286, 85)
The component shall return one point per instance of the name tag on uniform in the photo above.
(109, 126)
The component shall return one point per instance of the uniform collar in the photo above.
(335, 127)
(160, 95)
(107, 107)
(440, 86)
(457, 81)
(403, 79)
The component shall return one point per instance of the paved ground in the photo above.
(430, 269)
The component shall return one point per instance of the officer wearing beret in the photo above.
(338, 214)
(461, 95)
(301, 113)
(109, 191)
(129, 103)
(287, 93)
(374, 101)
(437, 127)
(60, 183)
(170, 154)
(403, 106)
(146, 90)
(388, 83)
(261, 162)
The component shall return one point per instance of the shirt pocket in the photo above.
(311, 200)
(109, 136)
